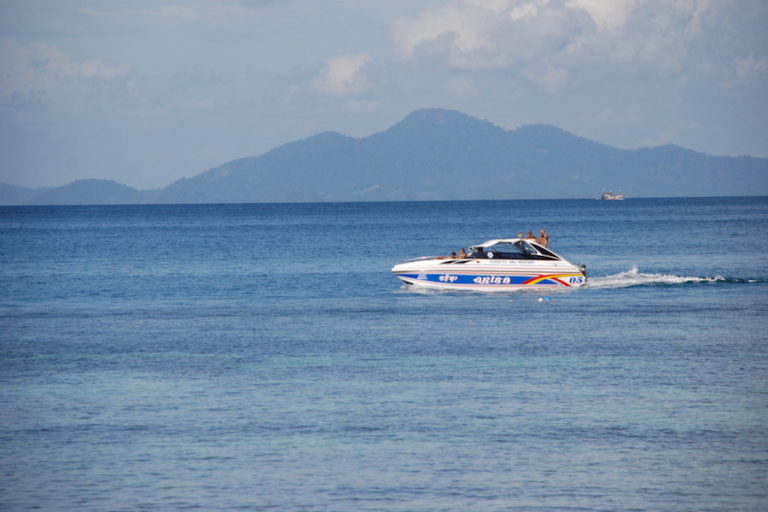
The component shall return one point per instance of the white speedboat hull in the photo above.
(475, 276)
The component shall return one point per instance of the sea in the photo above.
(262, 357)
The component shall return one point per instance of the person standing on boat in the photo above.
(543, 239)
(530, 236)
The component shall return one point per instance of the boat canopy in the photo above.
(512, 249)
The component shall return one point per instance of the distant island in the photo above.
(435, 154)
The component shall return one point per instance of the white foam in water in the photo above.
(633, 277)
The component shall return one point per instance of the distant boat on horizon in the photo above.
(610, 196)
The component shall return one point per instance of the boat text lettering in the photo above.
(491, 280)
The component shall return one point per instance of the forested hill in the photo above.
(436, 154)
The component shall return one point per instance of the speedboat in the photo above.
(500, 264)
(610, 196)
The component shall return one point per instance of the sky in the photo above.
(147, 92)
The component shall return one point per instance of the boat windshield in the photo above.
(519, 250)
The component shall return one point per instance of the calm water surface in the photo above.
(262, 357)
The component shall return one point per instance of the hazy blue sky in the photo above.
(146, 92)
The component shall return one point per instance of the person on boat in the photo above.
(530, 236)
(462, 254)
(543, 238)
(519, 234)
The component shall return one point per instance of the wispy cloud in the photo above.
(45, 71)
(344, 76)
(210, 13)
(607, 15)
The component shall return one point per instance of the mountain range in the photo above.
(435, 154)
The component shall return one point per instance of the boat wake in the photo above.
(633, 277)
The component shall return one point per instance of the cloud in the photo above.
(43, 71)
(606, 14)
(549, 78)
(259, 4)
(563, 34)
(536, 38)
(181, 16)
(102, 71)
(158, 15)
(344, 76)
(751, 66)
(460, 36)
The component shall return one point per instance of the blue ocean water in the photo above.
(262, 357)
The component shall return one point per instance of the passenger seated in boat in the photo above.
(543, 239)
(462, 254)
